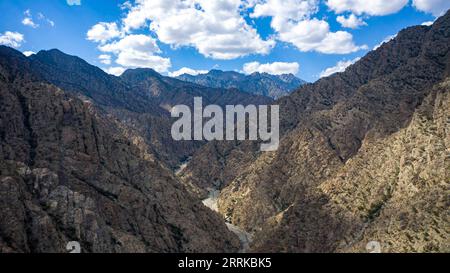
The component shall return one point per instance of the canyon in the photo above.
(364, 156)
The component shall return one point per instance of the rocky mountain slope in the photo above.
(382, 88)
(364, 156)
(274, 86)
(140, 98)
(69, 172)
(394, 191)
(282, 197)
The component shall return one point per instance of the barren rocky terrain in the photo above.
(292, 199)
(274, 86)
(69, 172)
(364, 156)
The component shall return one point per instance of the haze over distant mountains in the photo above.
(274, 86)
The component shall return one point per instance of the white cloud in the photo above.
(435, 7)
(428, 23)
(135, 59)
(315, 35)
(282, 11)
(339, 67)
(186, 70)
(29, 22)
(135, 50)
(41, 16)
(215, 28)
(116, 71)
(105, 59)
(74, 2)
(352, 21)
(28, 53)
(103, 32)
(293, 24)
(369, 7)
(126, 5)
(11, 39)
(276, 68)
(138, 42)
(386, 40)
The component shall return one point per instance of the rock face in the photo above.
(274, 86)
(166, 91)
(394, 191)
(344, 107)
(400, 184)
(140, 99)
(356, 163)
(69, 172)
(364, 156)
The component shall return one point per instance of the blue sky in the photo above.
(299, 36)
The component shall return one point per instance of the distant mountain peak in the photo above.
(215, 71)
(265, 84)
(139, 74)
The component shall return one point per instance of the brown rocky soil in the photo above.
(68, 173)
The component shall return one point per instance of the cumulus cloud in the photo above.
(134, 59)
(215, 28)
(137, 42)
(315, 35)
(11, 39)
(116, 71)
(74, 2)
(372, 7)
(28, 20)
(284, 10)
(105, 59)
(428, 23)
(28, 53)
(435, 7)
(339, 67)
(293, 24)
(276, 68)
(187, 70)
(103, 32)
(126, 5)
(352, 21)
(137, 51)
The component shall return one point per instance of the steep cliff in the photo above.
(68, 172)
(325, 126)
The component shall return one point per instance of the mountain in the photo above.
(70, 172)
(140, 98)
(363, 154)
(168, 92)
(274, 86)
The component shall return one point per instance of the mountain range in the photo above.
(87, 156)
(363, 153)
(364, 156)
(264, 84)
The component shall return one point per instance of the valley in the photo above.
(364, 155)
